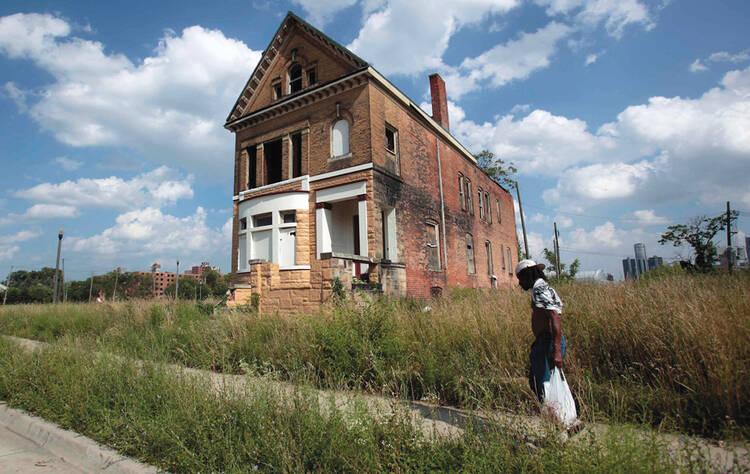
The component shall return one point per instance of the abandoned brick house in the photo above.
(340, 175)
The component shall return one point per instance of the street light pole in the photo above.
(60, 233)
(177, 281)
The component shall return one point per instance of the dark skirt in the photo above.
(540, 361)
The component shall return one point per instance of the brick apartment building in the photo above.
(339, 175)
(163, 279)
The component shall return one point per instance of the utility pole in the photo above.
(729, 239)
(91, 286)
(62, 281)
(177, 281)
(114, 293)
(557, 252)
(7, 281)
(523, 224)
(57, 265)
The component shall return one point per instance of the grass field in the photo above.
(181, 424)
(669, 352)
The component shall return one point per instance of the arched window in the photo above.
(295, 78)
(340, 138)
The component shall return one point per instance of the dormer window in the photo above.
(295, 78)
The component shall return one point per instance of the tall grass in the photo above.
(669, 352)
(180, 424)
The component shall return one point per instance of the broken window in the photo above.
(252, 171)
(272, 161)
(472, 269)
(340, 138)
(510, 263)
(461, 191)
(481, 203)
(487, 208)
(433, 245)
(488, 249)
(296, 155)
(295, 78)
(391, 144)
(243, 224)
(469, 201)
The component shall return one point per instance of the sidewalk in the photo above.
(31, 444)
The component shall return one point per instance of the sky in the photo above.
(622, 116)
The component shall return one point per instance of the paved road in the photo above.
(21, 454)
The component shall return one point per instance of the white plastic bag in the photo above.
(558, 398)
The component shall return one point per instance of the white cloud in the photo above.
(539, 218)
(68, 164)
(603, 236)
(591, 59)
(723, 56)
(666, 149)
(162, 186)
(16, 95)
(148, 231)
(7, 252)
(20, 236)
(320, 12)
(50, 211)
(563, 222)
(720, 57)
(516, 59)
(646, 217)
(520, 109)
(615, 15)
(698, 66)
(182, 91)
(388, 40)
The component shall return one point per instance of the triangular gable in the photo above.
(282, 34)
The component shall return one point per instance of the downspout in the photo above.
(442, 203)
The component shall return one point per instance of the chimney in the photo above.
(439, 101)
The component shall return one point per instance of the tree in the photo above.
(699, 233)
(496, 168)
(188, 289)
(551, 257)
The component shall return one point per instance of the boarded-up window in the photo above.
(472, 269)
(433, 245)
(340, 138)
(469, 200)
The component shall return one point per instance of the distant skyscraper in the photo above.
(654, 262)
(640, 258)
(629, 268)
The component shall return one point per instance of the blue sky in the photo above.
(623, 116)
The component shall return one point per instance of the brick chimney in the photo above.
(439, 101)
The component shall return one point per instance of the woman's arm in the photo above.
(555, 328)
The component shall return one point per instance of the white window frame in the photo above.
(435, 245)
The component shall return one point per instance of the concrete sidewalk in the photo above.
(31, 444)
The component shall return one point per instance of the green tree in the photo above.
(188, 289)
(568, 274)
(499, 172)
(698, 233)
(27, 279)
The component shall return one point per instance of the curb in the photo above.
(77, 450)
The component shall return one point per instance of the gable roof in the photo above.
(290, 21)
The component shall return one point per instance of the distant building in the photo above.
(629, 269)
(163, 279)
(655, 262)
(641, 262)
(737, 254)
(593, 276)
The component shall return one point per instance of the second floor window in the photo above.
(480, 200)
(295, 78)
(469, 201)
(461, 191)
(340, 138)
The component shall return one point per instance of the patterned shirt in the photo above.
(545, 297)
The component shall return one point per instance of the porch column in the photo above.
(322, 228)
(362, 209)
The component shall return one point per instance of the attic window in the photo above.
(277, 91)
(312, 76)
(295, 78)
